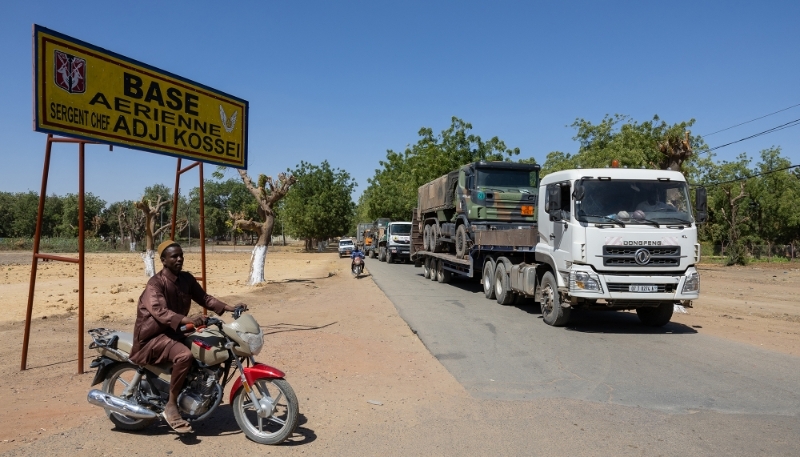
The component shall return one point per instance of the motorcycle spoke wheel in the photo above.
(117, 381)
(267, 428)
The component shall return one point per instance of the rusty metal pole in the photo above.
(175, 201)
(81, 253)
(34, 263)
(202, 228)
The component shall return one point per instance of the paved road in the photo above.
(508, 353)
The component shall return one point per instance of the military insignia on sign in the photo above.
(224, 118)
(70, 73)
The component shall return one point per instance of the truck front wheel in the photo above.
(461, 242)
(656, 317)
(552, 312)
(382, 254)
(488, 279)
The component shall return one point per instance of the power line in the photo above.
(793, 123)
(751, 120)
(747, 177)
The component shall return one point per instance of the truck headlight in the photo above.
(583, 281)
(691, 283)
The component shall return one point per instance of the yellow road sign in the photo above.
(87, 92)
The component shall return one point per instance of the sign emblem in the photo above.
(642, 256)
(70, 73)
(223, 118)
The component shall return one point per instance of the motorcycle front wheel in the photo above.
(273, 428)
(117, 380)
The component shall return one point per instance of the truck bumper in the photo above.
(583, 282)
(400, 251)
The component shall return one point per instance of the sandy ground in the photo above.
(342, 355)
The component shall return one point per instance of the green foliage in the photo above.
(55, 245)
(634, 144)
(220, 198)
(320, 204)
(392, 191)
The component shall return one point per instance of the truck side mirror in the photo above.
(579, 192)
(553, 206)
(701, 204)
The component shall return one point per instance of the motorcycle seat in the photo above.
(124, 341)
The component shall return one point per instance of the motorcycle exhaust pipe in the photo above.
(118, 405)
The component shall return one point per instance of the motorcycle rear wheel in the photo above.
(273, 429)
(117, 379)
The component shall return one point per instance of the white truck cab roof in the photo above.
(611, 173)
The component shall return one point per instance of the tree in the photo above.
(320, 205)
(92, 206)
(222, 198)
(650, 144)
(392, 192)
(268, 193)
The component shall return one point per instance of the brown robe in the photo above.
(162, 305)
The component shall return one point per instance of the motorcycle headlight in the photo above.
(585, 282)
(692, 283)
(255, 341)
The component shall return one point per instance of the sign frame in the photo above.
(214, 140)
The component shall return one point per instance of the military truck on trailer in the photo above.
(613, 239)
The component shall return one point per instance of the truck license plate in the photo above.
(642, 288)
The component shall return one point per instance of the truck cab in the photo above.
(620, 238)
(396, 243)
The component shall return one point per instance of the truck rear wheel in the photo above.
(461, 242)
(502, 292)
(552, 312)
(426, 268)
(434, 237)
(442, 275)
(435, 269)
(656, 317)
(488, 279)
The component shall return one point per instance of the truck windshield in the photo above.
(505, 179)
(635, 202)
(400, 229)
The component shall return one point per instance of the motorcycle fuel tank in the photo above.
(208, 347)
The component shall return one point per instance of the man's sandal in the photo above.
(179, 425)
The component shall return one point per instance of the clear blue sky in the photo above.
(345, 81)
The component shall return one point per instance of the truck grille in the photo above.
(650, 256)
(625, 287)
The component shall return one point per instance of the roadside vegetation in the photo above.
(752, 201)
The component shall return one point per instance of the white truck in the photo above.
(608, 238)
(395, 243)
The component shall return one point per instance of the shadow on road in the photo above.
(222, 423)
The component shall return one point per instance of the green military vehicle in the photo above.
(480, 203)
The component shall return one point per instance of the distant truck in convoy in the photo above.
(396, 242)
(373, 235)
(608, 238)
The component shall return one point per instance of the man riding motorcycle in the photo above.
(162, 310)
(356, 253)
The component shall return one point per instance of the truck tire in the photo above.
(371, 253)
(502, 291)
(488, 279)
(656, 317)
(461, 242)
(442, 275)
(382, 254)
(434, 237)
(552, 312)
(435, 269)
(426, 268)
(389, 257)
(426, 238)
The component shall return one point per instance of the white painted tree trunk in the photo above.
(133, 246)
(149, 263)
(257, 260)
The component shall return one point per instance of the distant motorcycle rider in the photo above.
(356, 253)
